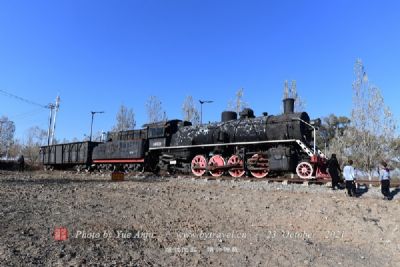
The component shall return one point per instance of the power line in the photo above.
(23, 99)
(26, 114)
(53, 113)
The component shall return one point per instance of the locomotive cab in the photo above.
(160, 133)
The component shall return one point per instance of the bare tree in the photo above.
(36, 137)
(15, 148)
(299, 103)
(7, 130)
(125, 119)
(370, 134)
(190, 112)
(286, 90)
(396, 150)
(339, 144)
(238, 104)
(154, 110)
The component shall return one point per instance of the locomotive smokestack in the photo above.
(288, 105)
(228, 116)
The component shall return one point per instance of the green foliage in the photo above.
(331, 126)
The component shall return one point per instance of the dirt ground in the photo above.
(180, 221)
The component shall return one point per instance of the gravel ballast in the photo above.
(166, 221)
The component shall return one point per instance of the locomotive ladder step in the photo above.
(309, 151)
(305, 148)
(321, 154)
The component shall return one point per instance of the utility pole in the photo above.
(201, 108)
(52, 120)
(91, 125)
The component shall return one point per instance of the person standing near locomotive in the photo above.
(334, 171)
(384, 177)
(349, 176)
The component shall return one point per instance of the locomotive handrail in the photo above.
(228, 144)
(303, 146)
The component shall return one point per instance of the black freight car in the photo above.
(76, 154)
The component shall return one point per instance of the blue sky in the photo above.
(98, 55)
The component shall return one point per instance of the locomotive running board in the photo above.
(228, 144)
(118, 160)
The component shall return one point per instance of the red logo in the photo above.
(60, 233)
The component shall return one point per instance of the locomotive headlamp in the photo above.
(316, 122)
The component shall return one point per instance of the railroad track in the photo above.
(278, 179)
(288, 180)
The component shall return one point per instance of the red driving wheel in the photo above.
(259, 161)
(199, 163)
(218, 161)
(304, 170)
(238, 170)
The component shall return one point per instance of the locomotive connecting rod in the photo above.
(213, 168)
(226, 167)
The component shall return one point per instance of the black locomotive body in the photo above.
(259, 146)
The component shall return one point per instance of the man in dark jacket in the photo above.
(334, 171)
(21, 163)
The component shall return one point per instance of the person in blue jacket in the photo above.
(384, 177)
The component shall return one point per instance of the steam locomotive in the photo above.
(248, 145)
